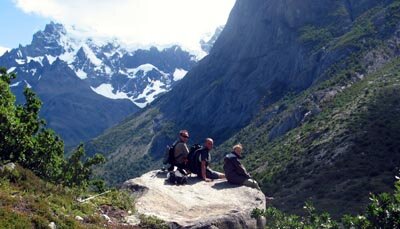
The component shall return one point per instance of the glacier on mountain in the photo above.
(106, 90)
(179, 74)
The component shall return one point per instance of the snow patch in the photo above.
(179, 74)
(106, 90)
(11, 69)
(91, 56)
(150, 93)
(131, 72)
(51, 58)
(81, 74)
(27, 84)
(15, 84)
(144, 67)
(38, 59)
(108, 70)
(20, 61)
(68, 57)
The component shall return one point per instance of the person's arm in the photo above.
(203, 171)
(240, 169)
(185, 153)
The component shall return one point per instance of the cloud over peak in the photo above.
(3, 50)
(137, 21)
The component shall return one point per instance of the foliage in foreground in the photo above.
(382, 212)
(24, 139)
(152, 222)
(27, 201)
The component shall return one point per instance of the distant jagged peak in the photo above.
(57, 39)
(53, 28)
(111, 67)
(207, 42)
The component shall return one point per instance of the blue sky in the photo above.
(18, 27)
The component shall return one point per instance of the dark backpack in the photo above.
(169, 157)
(176, 177)
(193, 158)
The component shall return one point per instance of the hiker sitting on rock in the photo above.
(181, 151)
(204, 171)
(234, 170)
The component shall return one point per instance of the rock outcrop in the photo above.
(197, 204)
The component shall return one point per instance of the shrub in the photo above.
(24, 139)
(278, 219)
(382, 212)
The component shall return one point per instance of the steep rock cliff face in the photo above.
(267, 50)
(335, 142)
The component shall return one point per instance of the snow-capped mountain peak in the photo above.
(88, 84)
(138, 75)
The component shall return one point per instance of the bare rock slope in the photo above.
(197, 204)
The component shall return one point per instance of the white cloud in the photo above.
(137, 21)
(3, 50)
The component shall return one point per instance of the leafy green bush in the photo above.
(151, 222)
(382, 212)
(76, 172)
(278, 219)
(24, 139)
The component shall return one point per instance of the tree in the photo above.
(24, 139)
(77, 173)
(11, 130)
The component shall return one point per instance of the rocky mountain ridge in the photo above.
(97, 75)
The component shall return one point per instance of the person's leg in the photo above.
(182, 168)
(251, 183)
(171, 168)
(214, 174)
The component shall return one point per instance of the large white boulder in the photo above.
(197, 204)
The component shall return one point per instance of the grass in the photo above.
(29, 202)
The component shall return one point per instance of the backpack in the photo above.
(193, 158)
(176, 177)
(169, 157)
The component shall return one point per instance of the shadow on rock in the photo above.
(224, 185)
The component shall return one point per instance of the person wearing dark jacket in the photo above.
(235, 172)
(204, 171)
